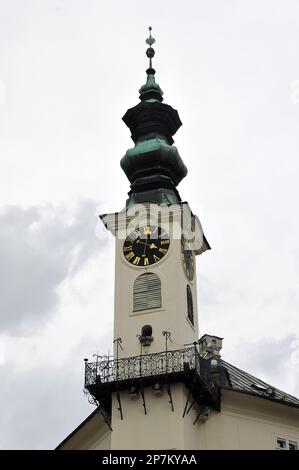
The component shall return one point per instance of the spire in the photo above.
(154, 166)
(151, 90)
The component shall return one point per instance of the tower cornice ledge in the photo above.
(180, 216)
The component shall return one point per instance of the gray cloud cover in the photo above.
(274, 361)
(45, 404)
(39, 248)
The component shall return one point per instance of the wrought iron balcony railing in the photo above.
(102, 378)
(148, 365)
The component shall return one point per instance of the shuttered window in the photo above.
(190, 305)
(147, 292)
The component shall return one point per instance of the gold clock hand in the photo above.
(152, 245)
(143, 243)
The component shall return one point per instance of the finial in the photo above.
(151, 90)
(150, 52)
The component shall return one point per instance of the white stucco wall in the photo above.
(95, 434)
(245, 422)
(248, 422)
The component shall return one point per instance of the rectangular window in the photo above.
(281, 443)
(293, 445)
(285, 444)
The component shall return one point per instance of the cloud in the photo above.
(52, 264)
(39, 248)
(270, 360)
(45, 404)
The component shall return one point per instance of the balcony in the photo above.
(102, 378)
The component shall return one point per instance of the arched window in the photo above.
(147, 292)
(190, 305)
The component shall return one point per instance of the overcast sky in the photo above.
(69, 69)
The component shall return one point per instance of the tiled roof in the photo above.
(246, 383)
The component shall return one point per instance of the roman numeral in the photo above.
(145, 262)
(130, 256)
(136, 260)
(128, 248)
(156, 258)
(164, 242)
(163, 250)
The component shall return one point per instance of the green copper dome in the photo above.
(151, 91)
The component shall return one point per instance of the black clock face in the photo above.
(187, 260)
(146, 245)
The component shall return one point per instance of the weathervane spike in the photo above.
(150, 91)
(150, 52)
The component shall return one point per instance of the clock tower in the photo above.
(164, 388)
(156, 373)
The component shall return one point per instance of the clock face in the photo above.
(146, 245)
(187, 260)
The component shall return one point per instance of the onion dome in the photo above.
(154, 166)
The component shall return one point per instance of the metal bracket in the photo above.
(143, 399)
(106, 418)
(119, 405)
(191, 406)
(170, 396)
(188, 398)
(198, 415)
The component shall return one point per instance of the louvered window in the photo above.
(147, 292)
(190, 305)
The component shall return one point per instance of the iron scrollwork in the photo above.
(147, 365)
